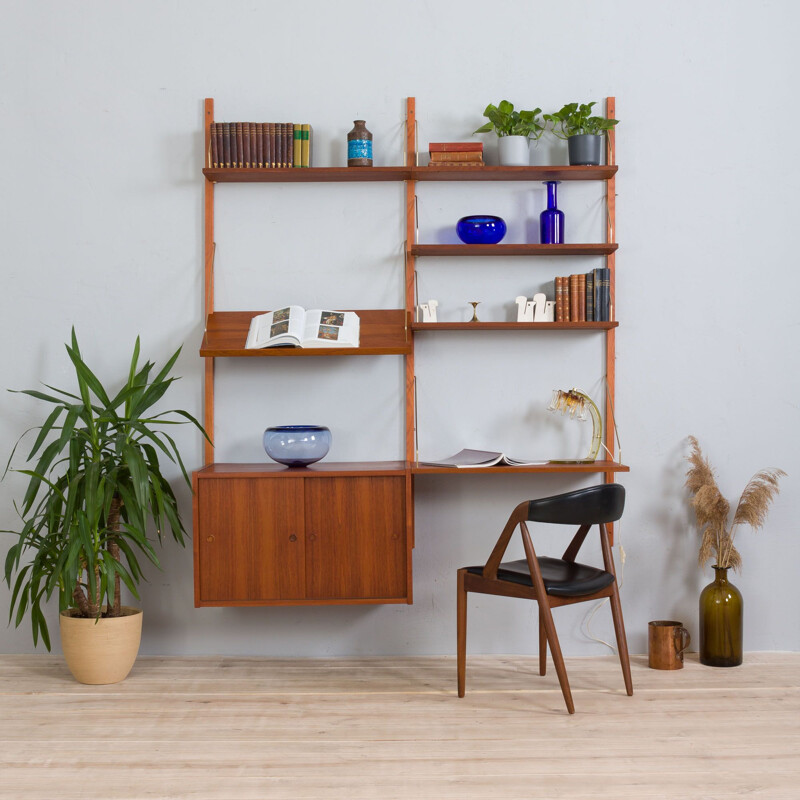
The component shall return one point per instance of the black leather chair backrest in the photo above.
(582, 507)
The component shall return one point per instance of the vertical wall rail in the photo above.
(611, 352)
(208, 285)
(410, 276)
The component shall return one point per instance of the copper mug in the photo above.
(667, 640)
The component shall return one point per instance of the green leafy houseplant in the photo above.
(576, 119)
(505, 121)
(94, 483)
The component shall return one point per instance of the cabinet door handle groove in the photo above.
(292, 538)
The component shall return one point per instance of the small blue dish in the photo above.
(297, 445)
(481, 229)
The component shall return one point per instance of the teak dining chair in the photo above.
(552, 582)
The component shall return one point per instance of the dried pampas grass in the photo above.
(712, 509)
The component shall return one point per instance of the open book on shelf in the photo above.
(293, 326)
(466, 459)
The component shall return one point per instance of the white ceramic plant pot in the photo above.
(514, 151)
(101, 651)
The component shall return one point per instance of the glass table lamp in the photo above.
(578, 404)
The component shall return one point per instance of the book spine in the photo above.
(234, 147)
(246, 144)
(559, 282)
(590, 297)
(456, 157)
(239, 144)
(288, 128)
(455, 164)
(269, 145)
(455, 147)
(276, 145)
(226, 143)
(253, 145)
(212, 135)
(306, 146)
(220, 145)
(581, 298)
(574, 299)
(297, 143)
(601, 293)
(260, 144)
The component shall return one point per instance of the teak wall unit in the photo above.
(344, 533)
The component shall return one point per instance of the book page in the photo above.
(331, 329)
(468, 458)
(284, 326)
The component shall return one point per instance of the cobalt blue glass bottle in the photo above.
(551, 220)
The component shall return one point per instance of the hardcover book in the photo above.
(293, 326)
(305, 149)
(449, 158)
(455, 147)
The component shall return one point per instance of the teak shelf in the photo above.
(335, 533)
(376, 174)
(462, 250)
(513, 326)
(550, 467)
(383, 332)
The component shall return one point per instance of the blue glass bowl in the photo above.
(297, 445)
(481, 229)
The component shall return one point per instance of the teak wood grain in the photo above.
(411, 172)
(271, 535)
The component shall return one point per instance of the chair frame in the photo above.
(489, 583)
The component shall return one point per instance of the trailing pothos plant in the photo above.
(505, 121)
(575, 119)
(94, 482)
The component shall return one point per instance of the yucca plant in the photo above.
(94, 483)
(712, 510)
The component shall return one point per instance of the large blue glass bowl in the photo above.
(481, 229)
(297, 445)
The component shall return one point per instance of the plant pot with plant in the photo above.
(721, 604)
(94, 484)
(583, 131)
(514, 130)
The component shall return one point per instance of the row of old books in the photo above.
(455, 154)
(584, 297)
(243, 145)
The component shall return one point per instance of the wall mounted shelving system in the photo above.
(334, 533)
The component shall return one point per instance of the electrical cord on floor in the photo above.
(586, 625)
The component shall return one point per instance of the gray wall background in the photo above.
(102, 229)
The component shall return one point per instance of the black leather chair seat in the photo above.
(561, 578)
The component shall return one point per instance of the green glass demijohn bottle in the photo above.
(721, 622)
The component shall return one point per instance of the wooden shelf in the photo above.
(491, 173)
(383, 332)
(360, 174)
(551, 466)
(513, 326)
(307, 175)
(323, 469)
(599, 249)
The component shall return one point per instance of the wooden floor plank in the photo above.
(393, 728)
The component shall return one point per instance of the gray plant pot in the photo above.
(585, 149)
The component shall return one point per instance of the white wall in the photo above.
(102, 229)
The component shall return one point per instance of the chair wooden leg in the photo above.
(461, 649)
(622, 642)
(555, 649)
(542, 645)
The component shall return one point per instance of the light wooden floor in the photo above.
(393, 728)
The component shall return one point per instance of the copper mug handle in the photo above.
(681, 640)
